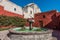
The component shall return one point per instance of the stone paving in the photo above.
(56, 33)
(54, 38)
(3, 35)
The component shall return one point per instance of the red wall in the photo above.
(7, 13)
(51, 20)
(46, 20)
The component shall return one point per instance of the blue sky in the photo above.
(44, 5)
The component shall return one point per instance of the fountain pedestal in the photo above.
(30, 23)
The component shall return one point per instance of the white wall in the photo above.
(28, 14)
(9, 6)
(31, 7)
(36, 9)
(31, 15)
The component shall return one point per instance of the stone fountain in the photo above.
(15, 34)
(30, 33)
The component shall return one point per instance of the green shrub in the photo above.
(14, 21)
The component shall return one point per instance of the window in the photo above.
(43, 16)
(30, 12)
(14, 9)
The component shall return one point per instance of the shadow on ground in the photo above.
(56, 33)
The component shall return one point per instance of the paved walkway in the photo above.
(3, 35)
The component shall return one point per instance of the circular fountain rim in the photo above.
(29, 33)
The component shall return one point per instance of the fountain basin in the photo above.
(30, 34)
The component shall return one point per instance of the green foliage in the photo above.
(1, 29)
(14, 21)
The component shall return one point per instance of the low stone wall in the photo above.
(43, 35)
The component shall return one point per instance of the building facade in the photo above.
(11, 7)
(28, 11)
(7, 13)
(50, 19)
(31, 9)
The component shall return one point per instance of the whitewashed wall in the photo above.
(9, 6)
(36, 9)
(31, 7)
(27, 13)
